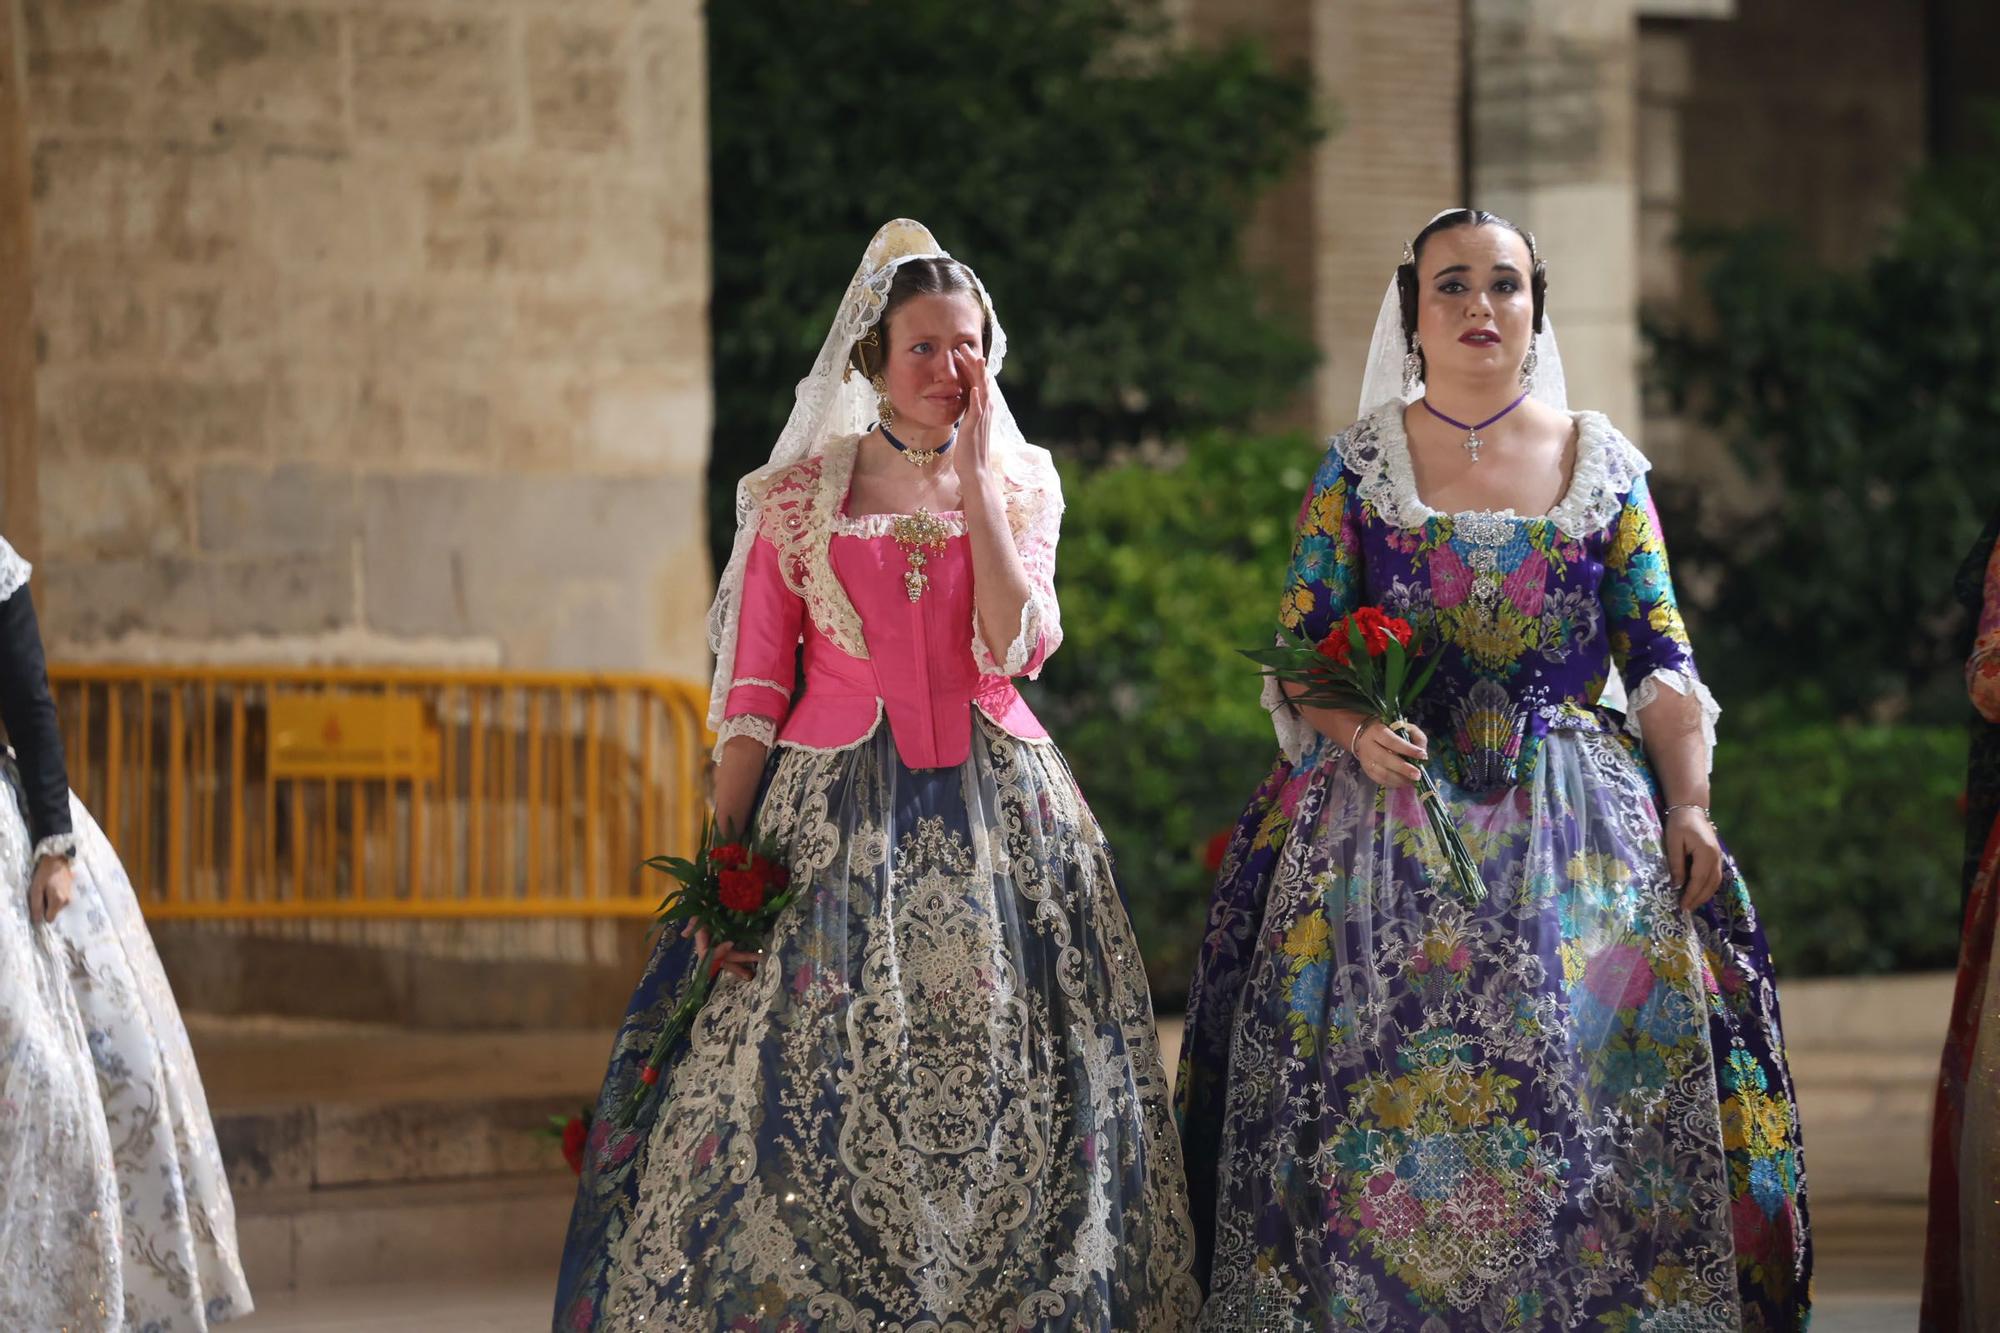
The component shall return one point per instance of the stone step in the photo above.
(327, 1239)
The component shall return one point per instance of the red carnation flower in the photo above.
(742, 890)
(1377, 628)
(1334, 646)
(573, 1136)
(729, 856)
(773, 875)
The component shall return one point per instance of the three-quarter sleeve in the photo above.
(1982, 669)
(1034, 517)
(29, 712)
(1649, 640)
(766, 668)
(1322, 583)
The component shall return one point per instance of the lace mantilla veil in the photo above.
(832, 404)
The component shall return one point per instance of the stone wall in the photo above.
(1394, 72)
(372, 331)
(1554, 147)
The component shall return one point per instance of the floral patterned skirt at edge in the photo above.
(1564, 1107)
(115, 1211)
(937, 1106)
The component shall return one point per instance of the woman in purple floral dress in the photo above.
(1565, 1106)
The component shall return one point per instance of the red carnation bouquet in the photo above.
(1364, 665)
(733, 890)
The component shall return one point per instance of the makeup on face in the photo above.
(924, 382)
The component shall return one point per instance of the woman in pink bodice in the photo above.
(935, 1099)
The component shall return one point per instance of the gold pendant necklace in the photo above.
(920, 458)
(919, 534)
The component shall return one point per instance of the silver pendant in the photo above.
(1472, 444)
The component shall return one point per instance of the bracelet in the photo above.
(1355, 739)
(1688, 805)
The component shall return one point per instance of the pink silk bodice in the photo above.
(922, 665)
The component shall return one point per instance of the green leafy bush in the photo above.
(1096, 172)
(1165, 573)
(1849, 836)
(1865, 405)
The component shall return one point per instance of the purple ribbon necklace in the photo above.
(1472, 432)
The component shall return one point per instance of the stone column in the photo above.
(20, 514)
(1553, 145)
(1392, 71)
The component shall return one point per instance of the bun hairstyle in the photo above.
(917, 277)
(1408, 285)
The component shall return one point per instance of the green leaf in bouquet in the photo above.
(1423, 679)
(1396, 664)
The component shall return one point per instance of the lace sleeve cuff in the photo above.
(1020, 657)
(1296, 736)
(1682, 683)
(758, 728)
(56, 844)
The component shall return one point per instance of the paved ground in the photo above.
(470, 1309)
(1851, 1044)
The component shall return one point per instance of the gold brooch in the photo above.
(919, 534)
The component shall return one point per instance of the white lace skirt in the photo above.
(938, 1107)
(115, 1211)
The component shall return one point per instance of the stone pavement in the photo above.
(1863, 1054)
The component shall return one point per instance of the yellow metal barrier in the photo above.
(349, 792)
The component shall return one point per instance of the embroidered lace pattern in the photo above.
(14, 570)
(1606, 466)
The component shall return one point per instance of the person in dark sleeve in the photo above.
(29, 714)
(115, 1212)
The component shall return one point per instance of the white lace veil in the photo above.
(1382, 375)
(832, 404)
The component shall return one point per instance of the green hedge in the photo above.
(1165, 573)
(1849, 833)
(1850, 837)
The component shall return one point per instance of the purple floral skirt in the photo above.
(1566, 1106)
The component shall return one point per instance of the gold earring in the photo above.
(884, 406)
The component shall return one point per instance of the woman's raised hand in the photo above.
(973, 454)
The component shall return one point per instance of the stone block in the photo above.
(105, 600)
(1666, 65)
(290, 509)
(330, 212)
(653, 236)
(90, 317)
(612, 330)
(97, 201)
(319, 415)
(1659, 166)
(65, 38)
(412, 1234)
(672, 100)
(437, 81)
(647, 420)
(577, 85)
(506, 218)
(266, 1149)
(490, 555)
(85, 59)
(457, 326)
(152, 416)
(415, 1141)
(214, 323)
(265, 1244)
(323, 325)
(232, 71)
(113, 508)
